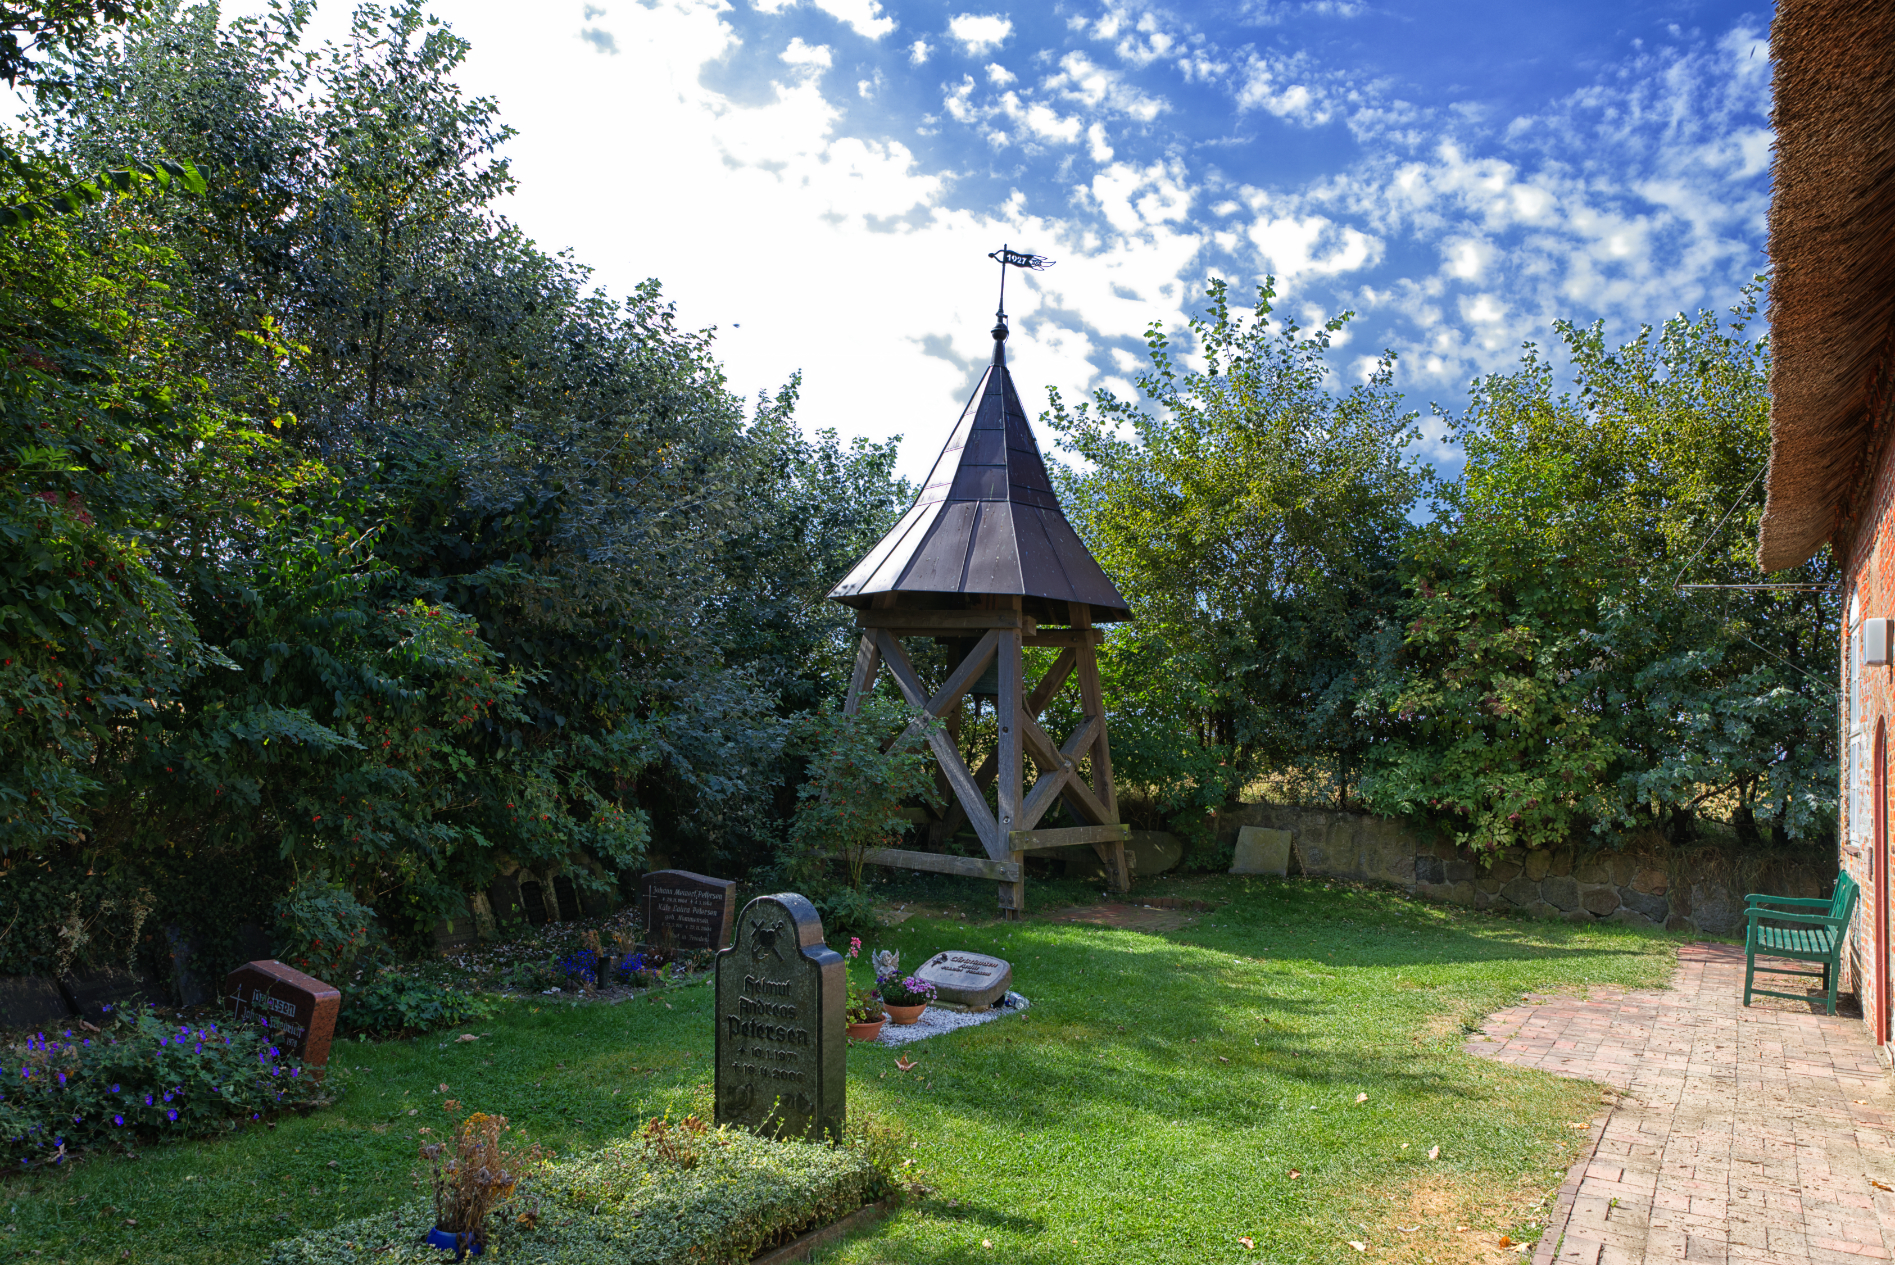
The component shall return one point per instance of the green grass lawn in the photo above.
(1149, 1107)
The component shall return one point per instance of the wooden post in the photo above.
(1092, 703)
(1010, 772)
(868, 661)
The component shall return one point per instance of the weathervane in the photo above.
(1019, 259)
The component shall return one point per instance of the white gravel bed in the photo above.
(936, 1019)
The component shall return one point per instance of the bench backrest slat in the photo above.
(1843, 904)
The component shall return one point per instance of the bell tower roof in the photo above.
(986, 523)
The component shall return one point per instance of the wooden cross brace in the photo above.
(1006, 834)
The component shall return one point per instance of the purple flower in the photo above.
(118, 1120)
(115, 1087)
(172, 1114)
(148, 1100)
(295, 1071)
(167, 1096)
(62, 1078)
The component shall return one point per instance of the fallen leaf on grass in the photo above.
(986, 1242)
(1358, 1245)
(1295, 1173)
(1576, 1125)
(1880, 1185)
(443, 1088)
(1247, 1241)
(905, 1063)
(1434, 1152)
(467, 1036)
(1506, 1241)
(1222, 1059)
(1407, 1229)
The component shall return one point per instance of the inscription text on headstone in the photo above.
(688, 911)
(780, 1041)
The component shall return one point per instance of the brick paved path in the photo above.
(1743, 1135)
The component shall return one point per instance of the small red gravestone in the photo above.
(301, 1008)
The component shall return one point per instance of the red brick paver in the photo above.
(1742, 1135)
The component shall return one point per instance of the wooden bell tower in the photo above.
(985, 561)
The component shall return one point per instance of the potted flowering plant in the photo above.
(866, 1015)
(904, 996)
(471, 1172)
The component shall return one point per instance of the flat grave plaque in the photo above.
(781, 1045)
(688, 911)
(301, 1008)
(963, 978)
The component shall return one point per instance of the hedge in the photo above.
(621, 1205)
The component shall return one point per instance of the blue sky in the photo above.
(821, 179)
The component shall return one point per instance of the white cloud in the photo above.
(808, 56)
(918, 53)
(864, 17)
(1083, 80)
(999, 75)
(978, 33)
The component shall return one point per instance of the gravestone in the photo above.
(27, 1001)
(780, 1042)
(688, 911)
(97, 994)
(974, 980)
(1261, 851)
(301, 1009)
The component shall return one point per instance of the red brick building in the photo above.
(1832, 470)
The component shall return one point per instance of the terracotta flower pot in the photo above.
(867, 1031)
(905, 1014)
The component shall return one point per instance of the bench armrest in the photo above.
(1757, 898)
(1777, 915)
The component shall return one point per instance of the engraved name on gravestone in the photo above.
(780, 1008)
(301, 1008)
(974, 980)
(688, 911)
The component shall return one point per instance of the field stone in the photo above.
(1577, 915)
(1560, 863)
(1506, 870)
(1590, 871)
(1151, 852)
(1630, 918)
(1624, 868)
(1651, 882)
(1599, 900)
(966, 978)
(1539, 861)
(1460, 870)
(1487, 886)
(1430, 871)
(1563, 892)
(1653, 907)
(1540, 909)
(1261, 851)
(1521, 891)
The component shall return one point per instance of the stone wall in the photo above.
(1695, 889)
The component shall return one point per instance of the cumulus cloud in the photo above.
(918, 53)
(600, 38)
(808, 56)
(979, 33)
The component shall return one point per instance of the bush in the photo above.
(392, 1004)
(639, 1202)
(323, 929)
(141, 1079)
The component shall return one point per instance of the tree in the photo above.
(1254, 518)
(1552, 678)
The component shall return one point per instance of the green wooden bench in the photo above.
(1807, 931)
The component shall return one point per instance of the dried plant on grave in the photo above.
(679, 1145)
(472, 1171)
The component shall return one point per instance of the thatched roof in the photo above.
(987, 523)
(1832, 251)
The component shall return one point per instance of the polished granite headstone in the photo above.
(963, 978)
(688, 911)
(300, 1009)
(780, 1034)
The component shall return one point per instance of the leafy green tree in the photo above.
(1552, 677)
(1254, 517)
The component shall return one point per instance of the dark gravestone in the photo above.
(27, 1001)
(503, 896)
(974, 980)
(780, 1010)
(688, 911)
(301, 1008)
(186, 979)
(568, 897)
(98, 994)
(533, 898)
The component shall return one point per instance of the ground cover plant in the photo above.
(1151, 1106)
